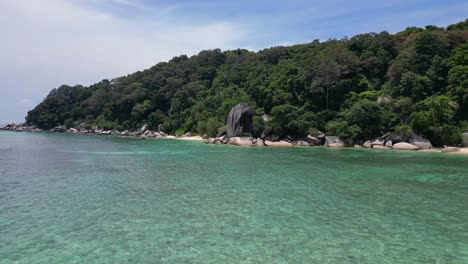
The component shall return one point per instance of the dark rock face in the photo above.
(222, 133)
(266, 132)
(239, 120)
(316, 140)
(272, 138)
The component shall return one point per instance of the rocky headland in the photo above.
(239, 127)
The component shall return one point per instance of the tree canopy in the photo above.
(415, 81)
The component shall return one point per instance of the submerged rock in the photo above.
(239, 120)
(404, 146)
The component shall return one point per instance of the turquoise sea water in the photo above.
(90, 199)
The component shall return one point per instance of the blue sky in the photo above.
(52, 42)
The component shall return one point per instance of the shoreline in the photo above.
(244, 141)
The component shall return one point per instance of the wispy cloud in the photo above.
(50, 42)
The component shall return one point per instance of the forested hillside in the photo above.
(415, 81)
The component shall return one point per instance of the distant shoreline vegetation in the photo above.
(414, 82)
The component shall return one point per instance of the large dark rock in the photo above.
(239, 121)
(266, 132)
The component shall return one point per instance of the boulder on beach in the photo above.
(125, 133)
(450, 150)
(143, 129)
(316, 140)
(280, 143)
(380, 147)
(404, 146)
(420, 142)
(301, 143)
(239, 120)
(388, 143)
(259, 143)
(241, 141)
(334, 142)
(59, 129)
(367, 144)
(378, 142)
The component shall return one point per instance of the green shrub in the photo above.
(404, 130)
(343, 130)
(179, 132)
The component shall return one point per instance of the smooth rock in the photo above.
(278, 143)
(240, 141)
(302, 143)
(367, 144)
(59, 129)
(404, 146)
(450, 149)
(378, 142)
(334, 142)
(260, 143)
(388, 143)
(357, 146)
(420, 142)
(380, 147)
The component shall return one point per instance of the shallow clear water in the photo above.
(90, 199)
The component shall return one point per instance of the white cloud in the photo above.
(50, 42)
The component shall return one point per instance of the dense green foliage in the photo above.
(415, 81)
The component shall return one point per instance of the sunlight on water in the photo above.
(90, 199)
